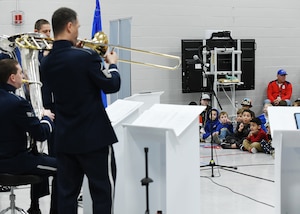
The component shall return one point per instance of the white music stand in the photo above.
(148, 98)
(119, 112)
(287, 154)
(171, 132)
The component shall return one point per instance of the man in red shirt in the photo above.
(279, 91)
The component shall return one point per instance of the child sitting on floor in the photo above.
(241, 132)
(224, 129)
(264, 118)
(211, 124)
(255, 136)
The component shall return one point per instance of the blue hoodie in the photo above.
(211, 125)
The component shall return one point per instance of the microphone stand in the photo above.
(145, 181)
(212, 163)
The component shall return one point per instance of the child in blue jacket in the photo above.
(211, 124)
(224, 129)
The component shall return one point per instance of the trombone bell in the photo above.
(100, 44)
(101, 38)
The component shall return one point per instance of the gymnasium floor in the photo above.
(249, 189)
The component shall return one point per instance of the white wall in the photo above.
(159, 25)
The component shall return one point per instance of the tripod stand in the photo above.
(212, 163)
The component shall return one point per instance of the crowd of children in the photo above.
(247, 132)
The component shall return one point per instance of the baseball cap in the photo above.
(281, 72)
(246, 102)
(205, 97)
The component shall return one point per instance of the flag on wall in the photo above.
(97, 26)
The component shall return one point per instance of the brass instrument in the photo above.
(30, 66)
(31, 82)
(7, 46)
(99, 43)
(33, 41)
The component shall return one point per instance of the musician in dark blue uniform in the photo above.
(43, 26)
(18, 119)
(83, 135)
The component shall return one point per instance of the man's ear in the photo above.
(259, 126)
(69, 27)
(11, 78)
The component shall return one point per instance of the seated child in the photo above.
(296, 102)
(264, 118)
(255, 136)
(238, 118)
(211, 123)
(246, 103)
(204, 101)
(241, 132)
(239, 115)
(267, 145)
(224, 129)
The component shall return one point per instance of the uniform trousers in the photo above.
(99, 167)
(33, 164)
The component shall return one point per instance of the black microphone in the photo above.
(198, 60)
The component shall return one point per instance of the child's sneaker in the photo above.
(253, 150)
(216, 139)
(273, 153)
(242, 148)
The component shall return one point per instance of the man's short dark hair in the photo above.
(256, 120)
(61, 17)
(7, 67)
(38, 24)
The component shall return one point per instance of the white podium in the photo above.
(287, 158)
(148, 98)
(119, 112)
(171, 132)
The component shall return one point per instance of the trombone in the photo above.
(100, 44)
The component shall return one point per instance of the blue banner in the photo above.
(97, 26)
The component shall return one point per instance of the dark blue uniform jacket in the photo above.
(16, 118)
(75, 77)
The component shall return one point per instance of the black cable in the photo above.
(253, 176)
(238, 192)
(219, 174)
(258, 164)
